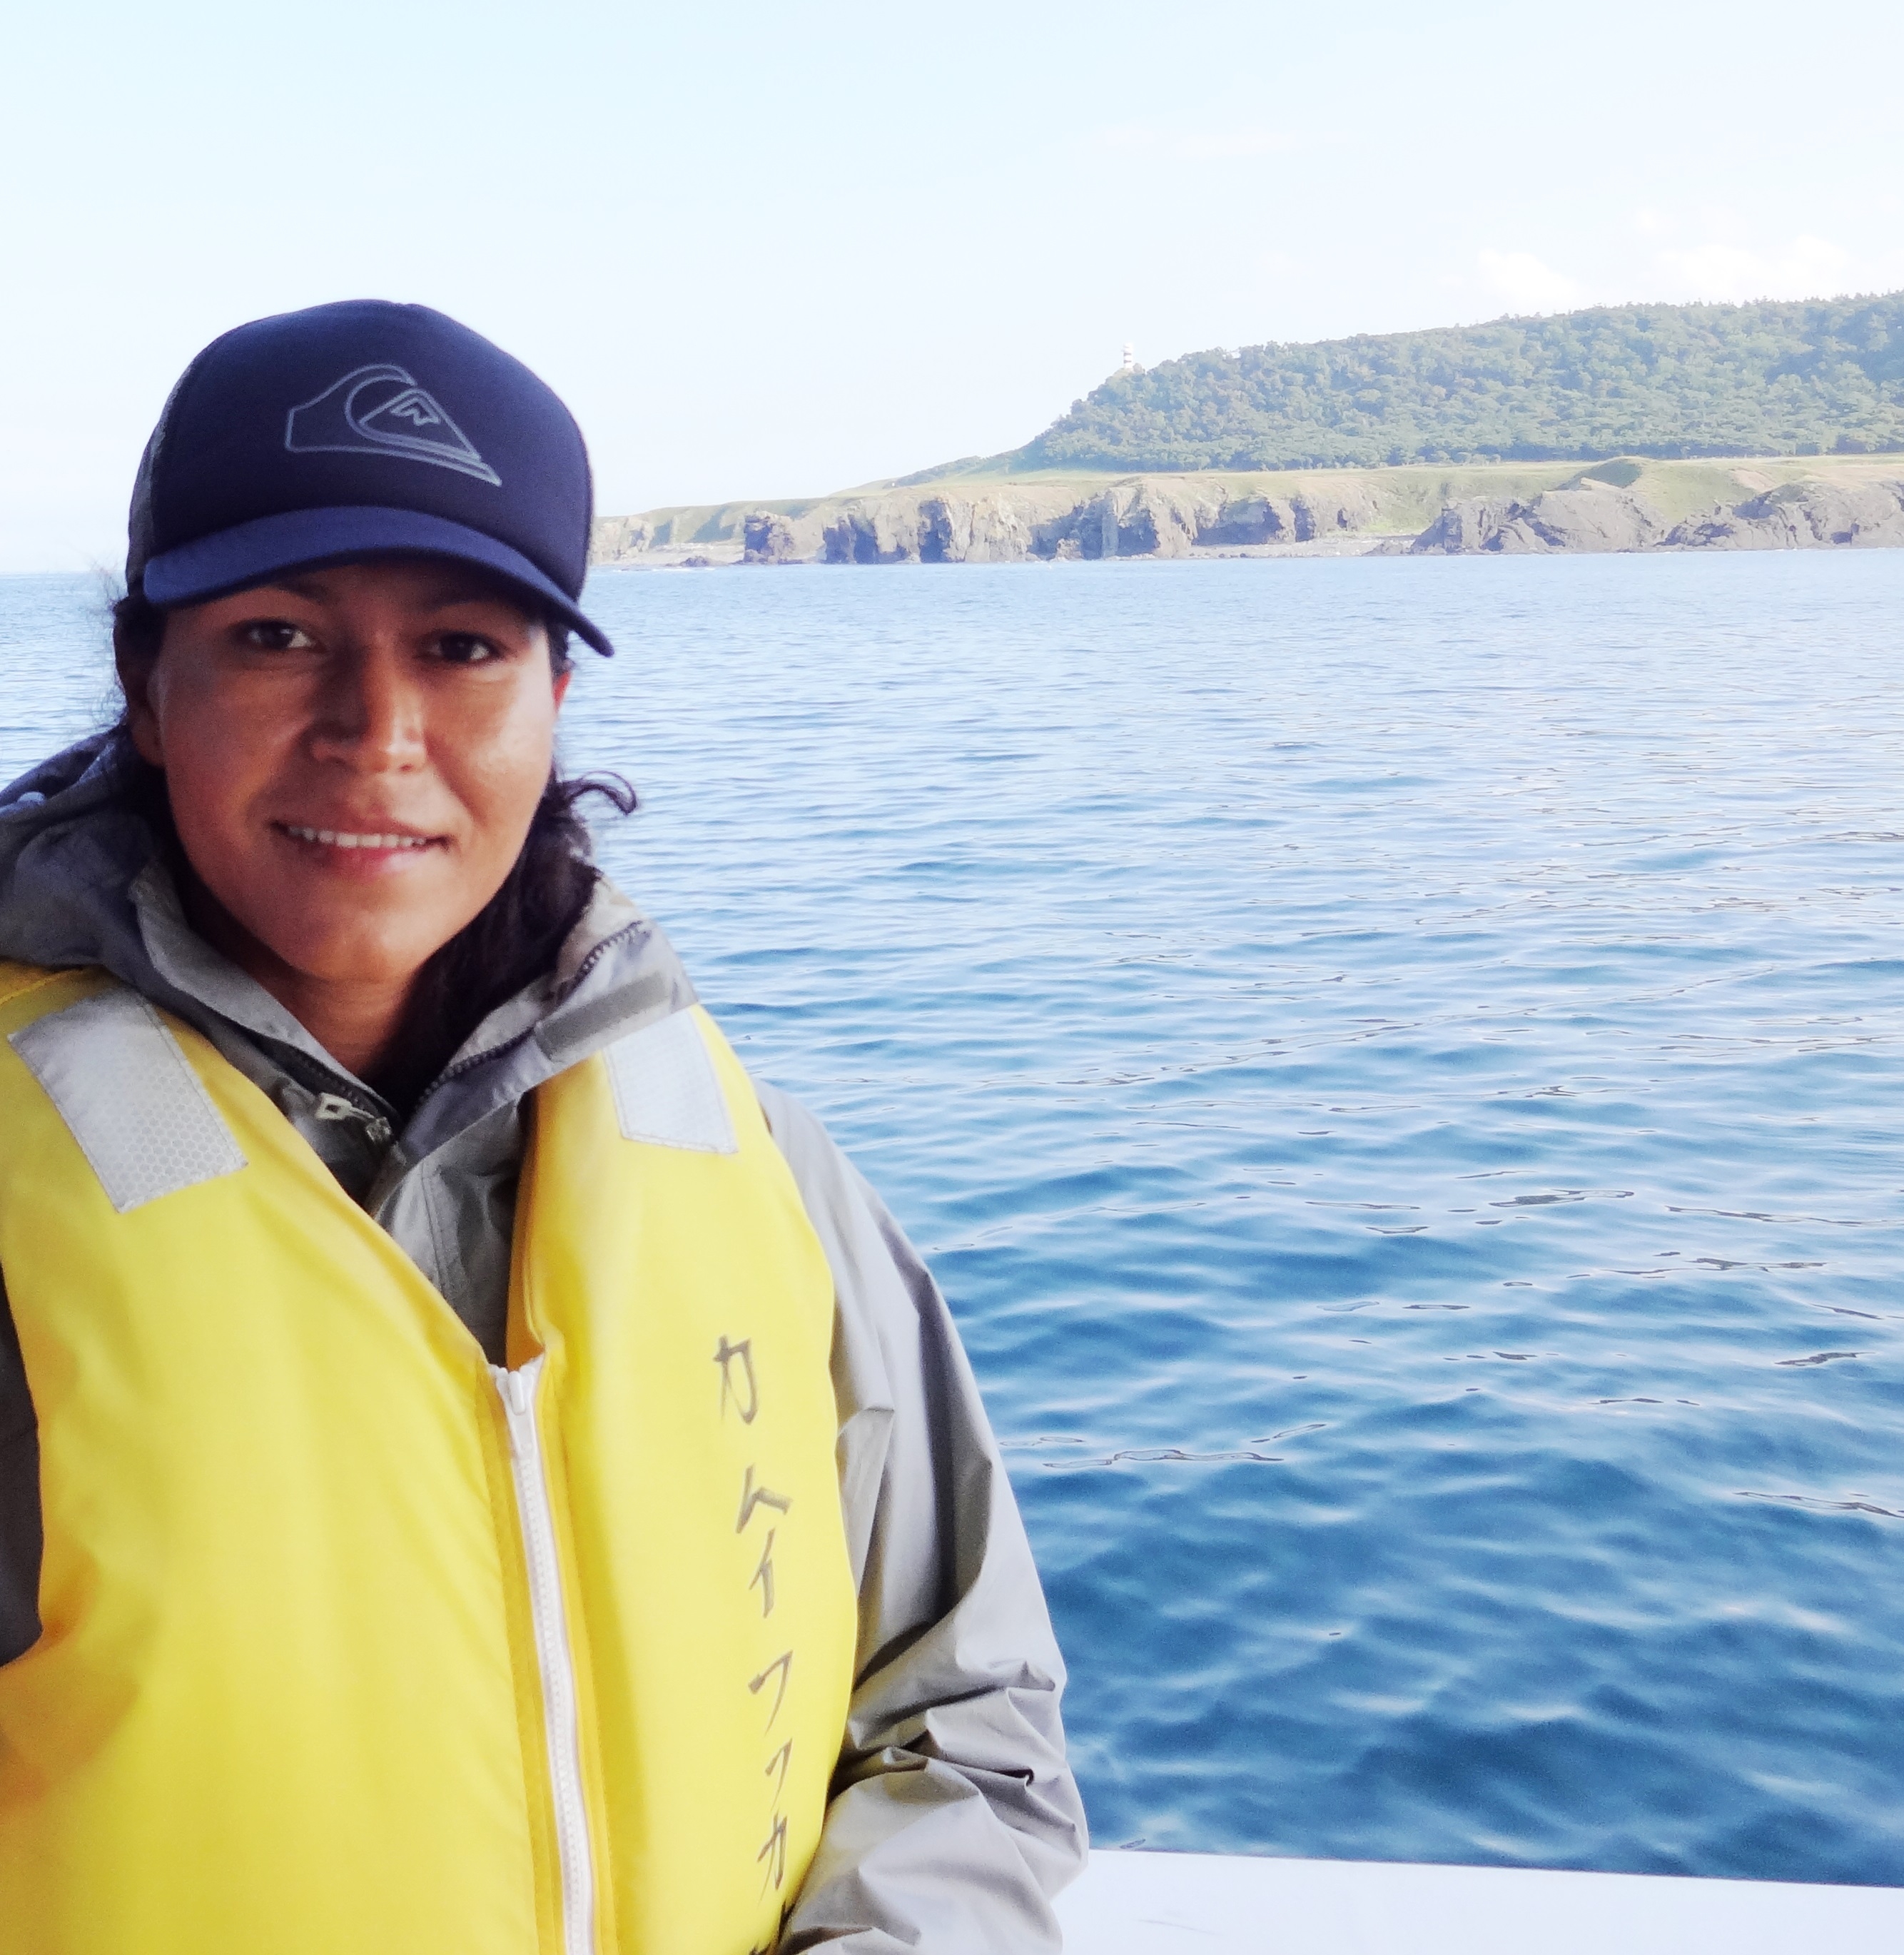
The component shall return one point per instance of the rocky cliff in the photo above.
(1150, 517)
(1798, 515)
(1593, 517)
(1801, 515)
(1620, 505)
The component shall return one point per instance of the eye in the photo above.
(466, 648)
(275, 635)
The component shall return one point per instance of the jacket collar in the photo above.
(81, 886)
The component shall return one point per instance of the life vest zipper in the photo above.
(554, 1659)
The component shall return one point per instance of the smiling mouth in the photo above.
(339, 837)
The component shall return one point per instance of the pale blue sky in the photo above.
(775, 249)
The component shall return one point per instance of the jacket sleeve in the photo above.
(954, 1816)
(20, 1545)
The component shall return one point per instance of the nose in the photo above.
(371, 714)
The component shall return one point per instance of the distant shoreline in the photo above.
(1628, 504)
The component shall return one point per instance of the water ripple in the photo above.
(1393, 1062)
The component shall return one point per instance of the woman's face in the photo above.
(353, 756)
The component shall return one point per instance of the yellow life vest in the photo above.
(350, 1644)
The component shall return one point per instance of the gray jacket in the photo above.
(954, 1818)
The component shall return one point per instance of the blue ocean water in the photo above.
(1398, 1065)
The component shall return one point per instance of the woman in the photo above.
(477, 1472)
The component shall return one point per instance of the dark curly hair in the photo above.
(512, 942)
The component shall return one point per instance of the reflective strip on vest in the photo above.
(122, 1086)
(666, 1089)
(327, 1663)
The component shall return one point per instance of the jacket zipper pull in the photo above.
(518, 1400)
(335, 1107)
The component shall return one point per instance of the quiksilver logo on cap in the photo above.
(382, 411)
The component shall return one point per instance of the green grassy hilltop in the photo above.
(1815, 377)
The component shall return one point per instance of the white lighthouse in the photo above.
(1130, 358)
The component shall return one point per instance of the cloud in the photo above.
(1804, 268)
(1526, 283)
(1710, 253)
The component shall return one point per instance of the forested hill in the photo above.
(1818, 376)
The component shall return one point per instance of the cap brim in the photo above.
(307, 539)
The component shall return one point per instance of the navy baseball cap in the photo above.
(360, 430)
